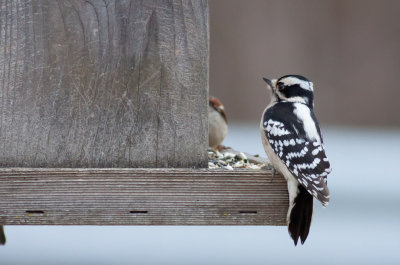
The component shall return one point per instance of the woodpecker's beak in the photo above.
(270, 83)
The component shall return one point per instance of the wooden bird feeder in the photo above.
(103, 119)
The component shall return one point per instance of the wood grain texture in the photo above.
(141, 197)
(96, 83)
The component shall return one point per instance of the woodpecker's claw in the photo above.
(273, 174)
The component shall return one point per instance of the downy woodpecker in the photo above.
(293, 142)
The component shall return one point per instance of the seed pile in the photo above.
(230, 160)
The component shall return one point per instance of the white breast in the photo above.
(277, 163)
(217, 128)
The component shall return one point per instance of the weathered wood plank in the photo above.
(90, 83)
(141, 197)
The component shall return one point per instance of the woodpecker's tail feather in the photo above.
(2, 236)
(300, 216)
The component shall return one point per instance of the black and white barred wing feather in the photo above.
(305, 158)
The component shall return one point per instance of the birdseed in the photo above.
(228, 160)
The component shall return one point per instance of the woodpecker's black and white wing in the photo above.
(304, 156)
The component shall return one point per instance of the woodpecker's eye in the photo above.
(280, 85)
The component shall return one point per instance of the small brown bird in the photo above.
(217, 123)
(2, 236)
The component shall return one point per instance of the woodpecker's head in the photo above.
(293, 88)
(217, 105)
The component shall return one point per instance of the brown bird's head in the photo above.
(217, 105)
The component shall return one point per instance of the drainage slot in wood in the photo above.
(138, 212)
(34, 212)
(248, 212)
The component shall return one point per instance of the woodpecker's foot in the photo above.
(273, 174)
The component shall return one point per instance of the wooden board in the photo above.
(92, 83)
(141, 197)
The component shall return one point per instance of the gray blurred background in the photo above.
(349, 49)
